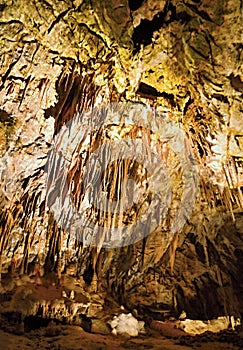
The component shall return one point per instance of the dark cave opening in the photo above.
(35, 322)
(135, 4)
(143, 33)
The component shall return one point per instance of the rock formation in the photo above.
(180, 58)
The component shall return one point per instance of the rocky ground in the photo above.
(37, 314)
(63, 337)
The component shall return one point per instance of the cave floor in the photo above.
(19, 332)
(62, 337)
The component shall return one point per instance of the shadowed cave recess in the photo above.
(63, 65)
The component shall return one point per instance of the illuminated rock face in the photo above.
(182, 59)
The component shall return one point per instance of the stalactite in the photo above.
(173, 248)
(7, 222)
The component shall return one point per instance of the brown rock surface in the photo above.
(74, 338)
(61, 57)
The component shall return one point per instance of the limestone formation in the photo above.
(182, 58)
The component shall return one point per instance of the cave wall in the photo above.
(183, 58)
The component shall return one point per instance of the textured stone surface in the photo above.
(72, 337)
(59, 57)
